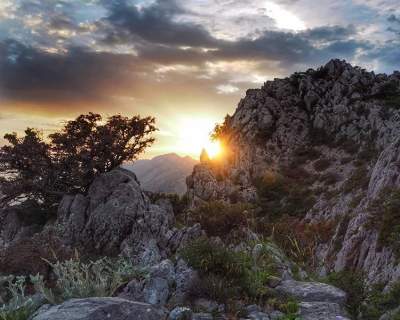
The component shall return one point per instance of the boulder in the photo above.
(99, 309)
(117, 216)
(321, 311)
(312, 292)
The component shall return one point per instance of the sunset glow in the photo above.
(194, 135)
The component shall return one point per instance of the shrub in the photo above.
(389, 93)
(19, 306)
(358, 180)
(226, 273)
(220, 219)
(299, 239)
(291, 310)
(322, 164)
(348, 145)
(302, 154)
(363, 302)
(353, 284)
(386, 219)
(179, 203)
(378, 302)
(279, 195)
(320, 137)
(76, 279)
(368, 153)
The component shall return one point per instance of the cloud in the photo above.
(226, 89)
(120, 52)
(153, 24)
(394, 18)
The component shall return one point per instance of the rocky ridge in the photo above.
(117, 218)
(339, 127)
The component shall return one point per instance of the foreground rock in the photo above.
(317, 301)
(321, 311)
(312, 291)
(99, 309)
(116, 216)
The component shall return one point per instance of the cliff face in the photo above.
(336, 132)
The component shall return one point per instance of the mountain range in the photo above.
(163, 174)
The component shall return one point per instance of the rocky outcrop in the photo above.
(117, 216)
(99, 309)
(317, 301)
(312, 291)
(336, 131)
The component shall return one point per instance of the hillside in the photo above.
(166, 173)
(298, 219)
(318, 152)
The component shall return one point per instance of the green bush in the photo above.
(19, 306)
(389, 230)
(358, 180)
(386, 219)
(226, 273)
(363, 302)
(280, 194)
(220, 219)
(378, 302)
(291, 310)
(76, 279)
(353, 284)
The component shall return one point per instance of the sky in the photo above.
(187, 62)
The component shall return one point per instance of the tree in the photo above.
(69, 160)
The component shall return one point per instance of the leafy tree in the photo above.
(43, 170)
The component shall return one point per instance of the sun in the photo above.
(194, 135)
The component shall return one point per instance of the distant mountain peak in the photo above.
(164, 173)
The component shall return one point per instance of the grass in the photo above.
(227, 274)
(378, 302)
(363, 302)
(358, 180)
(19, 306)
(76, 279)
(353, 284)
(299, 240)
(220, 219)
(386, 219)
(284, 194)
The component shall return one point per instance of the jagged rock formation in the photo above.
(336, 130)
(117, 216)
(166, 173)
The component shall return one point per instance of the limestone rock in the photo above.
(117, 216)
(321, 311)
(339, 112)
(99, 309)
(312, 291)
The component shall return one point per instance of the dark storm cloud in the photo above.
(154, 24)
(29, 73)
(157, 36)
(158, 33)
(329, 33)
(394, 18)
